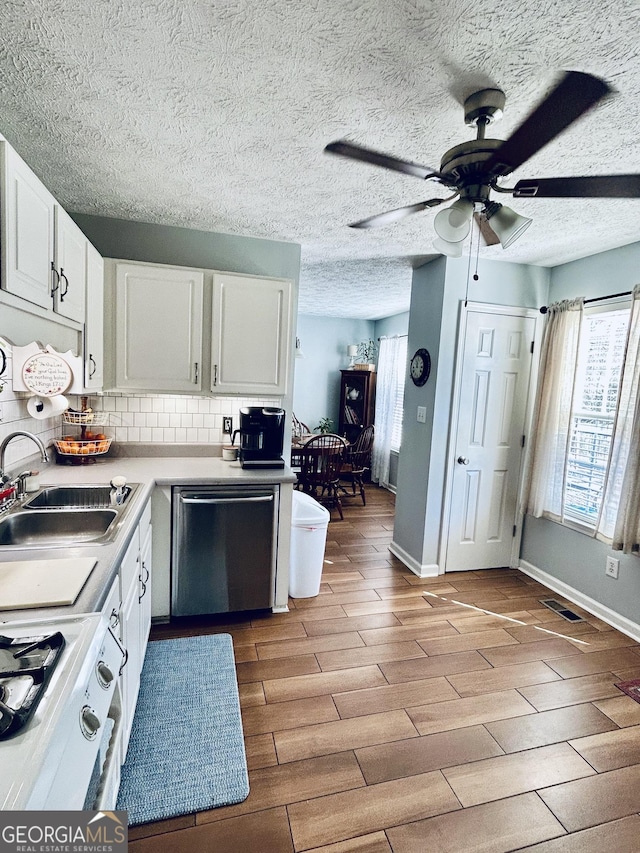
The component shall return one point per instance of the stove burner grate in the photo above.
(26, 666)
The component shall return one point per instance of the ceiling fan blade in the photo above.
(376, 158)
(596, 186)
(394, 215)
(573, 96)
(488, 234)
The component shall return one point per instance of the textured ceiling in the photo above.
(214, 115)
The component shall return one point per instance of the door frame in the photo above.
(464, 311)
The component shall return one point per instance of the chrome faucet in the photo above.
(44, 456)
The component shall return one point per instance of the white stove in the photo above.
(52, 734)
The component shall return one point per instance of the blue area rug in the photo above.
(186, 752)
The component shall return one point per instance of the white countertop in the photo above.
(148, 471)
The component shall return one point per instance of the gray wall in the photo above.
(397, 324)
(164, 244)
(438, 289)
(324, 342)
(571, 557)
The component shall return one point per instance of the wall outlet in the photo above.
(227, 424)
(422, 414)
(611, 566)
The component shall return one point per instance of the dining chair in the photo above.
(299, 431)
(320, 462)
(357, 462)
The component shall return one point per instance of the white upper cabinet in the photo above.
(251, 335)
(94, 328)
(44, 253)
(70, 267)
(158, 336)
(28, 232)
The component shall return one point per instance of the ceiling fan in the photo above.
(472, 169)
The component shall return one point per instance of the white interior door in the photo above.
(488, 441)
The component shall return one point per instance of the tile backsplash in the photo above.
(170, 419)
(126, 418)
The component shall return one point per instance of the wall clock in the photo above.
(420, 367)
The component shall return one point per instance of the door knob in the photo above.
(462, 460)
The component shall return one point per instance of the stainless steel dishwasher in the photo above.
(223, 548)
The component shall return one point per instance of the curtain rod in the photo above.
(545, 308)
(393, 336)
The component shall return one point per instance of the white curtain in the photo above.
(546, 475)
(619, 520)
(386, 402)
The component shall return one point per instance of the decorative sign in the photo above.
(46, 374)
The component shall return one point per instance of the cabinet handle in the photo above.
(114, 619)
(64, 292)
(55, 279)
(125, 653)
(215, 374)
(92, 366)
(195, 372)
(144, 590)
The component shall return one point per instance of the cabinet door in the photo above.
(28, 232)
(251, 335)
(158, 328)
(71, 264)
(144, 595)
(131, 671)
(357, 400)
(94, 322)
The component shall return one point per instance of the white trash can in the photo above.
(309, 521)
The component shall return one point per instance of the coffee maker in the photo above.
(261, 437)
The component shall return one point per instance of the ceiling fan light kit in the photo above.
(507, 224)
(454, 222)
(445, 247)
(471, 171)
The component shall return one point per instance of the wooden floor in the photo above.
(378, 718)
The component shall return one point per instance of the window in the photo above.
(398, 404)
(600, 361)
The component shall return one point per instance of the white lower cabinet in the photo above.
(135, 618)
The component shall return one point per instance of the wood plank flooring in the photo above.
(380, 719)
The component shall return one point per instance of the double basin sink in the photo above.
(64, 516)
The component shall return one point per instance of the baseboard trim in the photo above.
(427, 570)
(616, 620)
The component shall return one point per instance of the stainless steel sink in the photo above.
(74, 497)
(36, 529)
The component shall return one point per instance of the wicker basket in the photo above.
(65, 447)
(78, 418)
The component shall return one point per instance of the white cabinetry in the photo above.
(158, 336)
(135, 617)
(94, 328)
(44, 251)
(70, 267)
(251, 334)
(27, 233)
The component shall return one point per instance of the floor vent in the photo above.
(561, 610)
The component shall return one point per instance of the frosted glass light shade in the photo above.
(352, 350)
(452, 250)
(508, 225)
(454, 223)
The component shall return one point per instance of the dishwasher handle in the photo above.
(233, 500)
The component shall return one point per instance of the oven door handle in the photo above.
(237, 500)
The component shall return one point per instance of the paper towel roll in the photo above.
(47, 407)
